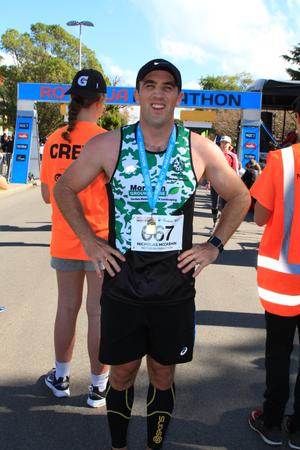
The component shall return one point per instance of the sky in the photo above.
(201, 37)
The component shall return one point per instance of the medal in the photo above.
(153, 194)
(151, 226)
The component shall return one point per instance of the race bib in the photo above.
(162, 236)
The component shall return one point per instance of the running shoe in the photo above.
(59, 386)
(294, 435)
(96, 398)
(270, 435)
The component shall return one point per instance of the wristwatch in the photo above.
(216, 242)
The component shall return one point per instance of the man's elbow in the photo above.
(62, 192)
(245, 197)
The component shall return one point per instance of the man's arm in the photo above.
(98, 155)
(261, 214)
(235, 165)
(211, 164)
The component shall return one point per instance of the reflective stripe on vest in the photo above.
(282, 265)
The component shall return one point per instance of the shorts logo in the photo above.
(183, 351)
(82, 81)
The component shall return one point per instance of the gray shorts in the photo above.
(69, 265)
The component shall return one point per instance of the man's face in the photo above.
(158, 95)
(225, 146)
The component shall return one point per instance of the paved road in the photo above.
(214, 393)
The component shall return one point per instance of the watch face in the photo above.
(215, 241)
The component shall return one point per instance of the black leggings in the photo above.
(279, 346)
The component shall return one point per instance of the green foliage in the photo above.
(294, 58)
(48, 54)
(112, 118)
(237, 82)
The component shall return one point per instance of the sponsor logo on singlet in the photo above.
(140, 191)
(178, 165)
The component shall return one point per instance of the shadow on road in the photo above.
(22, 244)
(230, 319)
(208, 415)
(12, 228)
(241, 258)
(29, 422)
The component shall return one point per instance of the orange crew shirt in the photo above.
(58, 155)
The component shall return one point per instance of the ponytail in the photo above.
(76, 105)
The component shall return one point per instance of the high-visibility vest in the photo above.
(278, 264)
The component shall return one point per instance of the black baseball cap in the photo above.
(159, 64)
(296, 105)
(87, 83)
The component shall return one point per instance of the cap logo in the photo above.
(156, 63)
(82, 81)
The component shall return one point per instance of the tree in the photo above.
(294, 58)
(237, 82)
(227, 121)
(48, 54)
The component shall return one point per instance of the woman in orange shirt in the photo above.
(67, 254)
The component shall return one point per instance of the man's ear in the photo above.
(136, 96)
(179, 98)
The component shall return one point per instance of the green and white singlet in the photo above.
(150, 277)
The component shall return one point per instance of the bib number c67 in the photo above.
(167, 236)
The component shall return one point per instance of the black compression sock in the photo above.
(160, 405)
(118, 406)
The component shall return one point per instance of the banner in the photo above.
(43, 92)
(22, 146)
(250, 144)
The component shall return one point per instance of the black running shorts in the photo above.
(128, 332)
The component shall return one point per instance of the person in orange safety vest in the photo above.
(277, 194)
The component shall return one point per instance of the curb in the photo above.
(15, 188)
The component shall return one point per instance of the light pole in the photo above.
(82, 23)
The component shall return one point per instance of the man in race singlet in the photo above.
(152, 170)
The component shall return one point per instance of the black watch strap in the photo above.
(216, 242)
